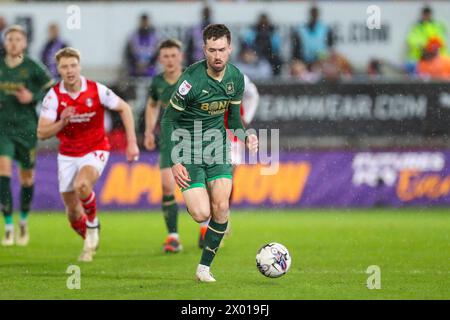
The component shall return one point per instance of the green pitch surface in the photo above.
(331, 251)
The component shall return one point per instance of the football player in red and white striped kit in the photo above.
(73, 110)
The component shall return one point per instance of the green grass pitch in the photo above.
(331, 251)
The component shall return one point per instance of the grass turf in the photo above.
(331, 251)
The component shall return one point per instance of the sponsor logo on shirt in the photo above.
(82, 117)
(184, 88)
(10, 88)
(215, 107)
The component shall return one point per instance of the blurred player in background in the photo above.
(205, 91)
(73, 110)
(53, 44)
(249, 104)
(23, 83)
(161, 89)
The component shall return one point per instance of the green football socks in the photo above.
(170, 211)
(213, 236)
(26, 196)
(6, 199)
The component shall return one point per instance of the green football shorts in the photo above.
(24, 152)
(201, 174)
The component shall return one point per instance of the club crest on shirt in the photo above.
(89, 102)
(230, 87)
(23, 73)
(184, 88)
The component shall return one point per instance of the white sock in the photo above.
(93, 224)
(202, 268)
(9, 227)
(174, 234)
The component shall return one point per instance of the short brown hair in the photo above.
(216, 31)
(170, 43)
(15, 28)
(67, 52)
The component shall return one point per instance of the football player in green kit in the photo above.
(204, 172)
(23, 82)
(161, 89)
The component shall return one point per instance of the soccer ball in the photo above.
(273, 260)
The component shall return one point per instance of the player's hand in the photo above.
(24, 95)
(149, 141)
(252, 143)
(66, 114)
(132, 152)
(181, 175)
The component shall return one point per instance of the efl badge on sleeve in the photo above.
(184, 88)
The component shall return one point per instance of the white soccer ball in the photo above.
(273, 260)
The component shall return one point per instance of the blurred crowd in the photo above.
(313, 54)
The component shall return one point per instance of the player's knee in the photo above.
(82, 187)
(201, 218)
(27, 181)
(200, 215)
(26, 178)
(168, 189)
(220, 207)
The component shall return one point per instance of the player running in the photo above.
(205, 91)
(73, 110)
(161, 89)
(248, 109)
(23, 83)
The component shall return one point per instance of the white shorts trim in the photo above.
(68, 167)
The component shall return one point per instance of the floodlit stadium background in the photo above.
(359, 171)
(361, 127)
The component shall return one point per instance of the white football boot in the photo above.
(8, 239)
(90, 244)
(203, 274)
(24, 237)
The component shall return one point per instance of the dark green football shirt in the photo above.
(201, 102)
(203, 98)
(161, 90)
(18, 119)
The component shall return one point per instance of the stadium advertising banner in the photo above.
(317, 179)
(355, 109)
